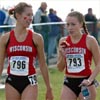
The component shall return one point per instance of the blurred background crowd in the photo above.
(54, 26)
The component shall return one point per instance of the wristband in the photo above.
(89, 81)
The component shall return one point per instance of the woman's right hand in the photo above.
(63, 46)
(61, 61)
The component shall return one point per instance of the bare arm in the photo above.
(43, 66)
(61, 59)
(3, 41)
(94, 47)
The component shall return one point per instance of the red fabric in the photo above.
(87, 55)
(15, 52)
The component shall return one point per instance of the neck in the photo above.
(76, 38)
(19, 29)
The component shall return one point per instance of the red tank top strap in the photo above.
(68, 39)
(30, 34)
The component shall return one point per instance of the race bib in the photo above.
(75, 63)
(19, 65)
(33, 79)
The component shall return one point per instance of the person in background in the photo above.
(90, 17)
(53, 34)
(75, 54)
(21, 46)
(9, 20)
(42, 17)
(72, 10)
(2, 19)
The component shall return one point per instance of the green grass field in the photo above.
(56, 78)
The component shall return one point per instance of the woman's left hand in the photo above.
(49, 95)
(85, 82)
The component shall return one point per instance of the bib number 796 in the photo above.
(19, 64)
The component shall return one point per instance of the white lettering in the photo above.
(20, 48)
(75, 50)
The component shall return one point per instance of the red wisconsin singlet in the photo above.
(21, 55)
(78, 58)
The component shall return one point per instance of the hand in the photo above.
(49, 95)
(63, 46)
(85, 82)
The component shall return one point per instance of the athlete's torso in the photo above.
(78, 58)
(21, 55)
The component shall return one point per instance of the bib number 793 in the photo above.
(75, 62)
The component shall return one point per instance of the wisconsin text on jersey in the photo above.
(75, 50)
(21, 48)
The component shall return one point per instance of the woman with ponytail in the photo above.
(22, 46)
(75, 54)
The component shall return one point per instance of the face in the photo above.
(90, 12)
(44, 6)
(25, 19)
(73, 25)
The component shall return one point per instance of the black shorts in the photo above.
(73, 84)
(21, 82)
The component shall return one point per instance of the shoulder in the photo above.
(38, 11)
(86, 15)
(37, 35)
(91, 41)
(37, 38)
(91, 38)
(4, 38)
